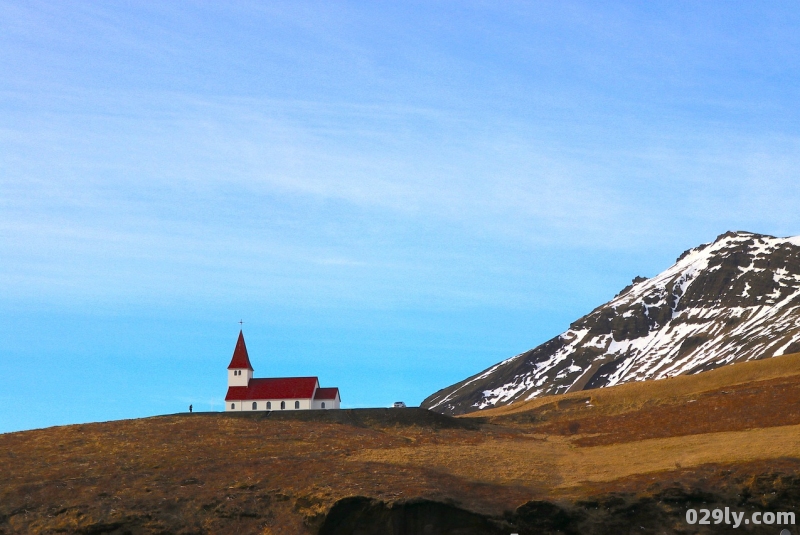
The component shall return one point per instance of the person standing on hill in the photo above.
(190, 408)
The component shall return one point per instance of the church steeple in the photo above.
(240, 371)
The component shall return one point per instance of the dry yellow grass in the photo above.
(633, 396)
(225, 473)
(557, 462)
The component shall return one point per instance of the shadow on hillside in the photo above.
(410, 416)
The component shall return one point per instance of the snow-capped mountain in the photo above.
(735, 299)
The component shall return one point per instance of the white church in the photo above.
(246, 393)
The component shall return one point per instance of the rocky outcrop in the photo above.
(663, 510)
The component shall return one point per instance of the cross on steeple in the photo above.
(240, 323)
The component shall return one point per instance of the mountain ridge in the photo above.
(731, 300)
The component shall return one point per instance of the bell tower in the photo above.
(240, 371)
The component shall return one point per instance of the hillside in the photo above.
(732, 300)
(620, 459)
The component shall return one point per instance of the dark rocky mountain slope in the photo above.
(732, 300)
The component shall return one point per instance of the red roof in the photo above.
(281, 388)
(240, 359)
(327, 393)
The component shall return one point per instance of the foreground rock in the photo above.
(660, 509)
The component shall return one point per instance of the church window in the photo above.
(255, 405)
(233, 405)
(296, 404)
(269, 405)
(283, 405)
(323, 404)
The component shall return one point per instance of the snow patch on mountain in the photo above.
(735, 299)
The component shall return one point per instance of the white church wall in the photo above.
(304, 404)
(239, 380)
(233, 406)
(329, 403)
(261, 405)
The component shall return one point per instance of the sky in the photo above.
(391, 196)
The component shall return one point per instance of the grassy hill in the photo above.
(678, 389)
(622, 459)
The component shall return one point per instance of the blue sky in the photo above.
(392, 196)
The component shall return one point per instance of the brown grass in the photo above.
(557, 462)
(634, 396)
(206, 473)
(216, 473)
